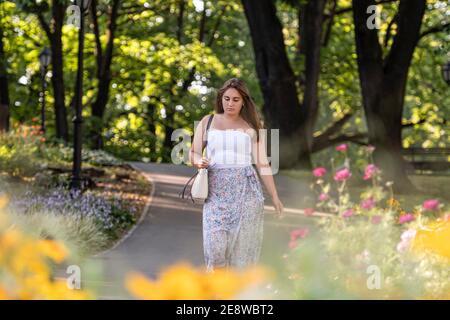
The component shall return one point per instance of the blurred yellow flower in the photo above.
(183, 281)
(24, 269)
(54, 250)
(393, 202)
(435, 237)
(3, 201)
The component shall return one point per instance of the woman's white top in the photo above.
(229, 148)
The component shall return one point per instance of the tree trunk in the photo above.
(313, 21)
(383, 83)
(54, 33)
(169, 123)
(104, 75)
(4, 92)
(54, 36)
(282, 109)
(151, 115)
(58, 88)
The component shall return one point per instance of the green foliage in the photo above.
(153, 59)
(20, 151)
(23, 152)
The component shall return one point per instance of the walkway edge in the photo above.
(141, 218)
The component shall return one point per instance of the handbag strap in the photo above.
(206, 132)
(182, 194)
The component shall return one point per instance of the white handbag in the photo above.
(199, 189)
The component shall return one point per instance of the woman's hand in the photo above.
(203, 164)
(279, 208)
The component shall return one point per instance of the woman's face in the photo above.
(232, 102)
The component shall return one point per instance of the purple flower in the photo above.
(74, 203)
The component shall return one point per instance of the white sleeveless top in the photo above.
(229, 148)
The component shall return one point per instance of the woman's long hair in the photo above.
(248, 112)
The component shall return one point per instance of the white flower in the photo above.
(406, 239)
(408, 235)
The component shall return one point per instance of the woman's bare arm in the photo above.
(198, 144)
(261, 161)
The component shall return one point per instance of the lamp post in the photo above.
(78, 120)
(44, 60)
(446, 72)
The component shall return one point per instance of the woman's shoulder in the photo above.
(206, 118)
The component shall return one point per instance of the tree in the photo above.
(282, 108)
(383, 82)
(53, 30)
(311, 20)
(4, 86)
(104, 60)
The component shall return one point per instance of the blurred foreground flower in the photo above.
(342, 175)
(430, 205)
(319, 172)
(405, 218)
(368, 203)
(370, 171)
(342, 147)
(25, 265)
(434, 237)
(183, 281)
(348, 213)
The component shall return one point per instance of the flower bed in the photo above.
(370, 249)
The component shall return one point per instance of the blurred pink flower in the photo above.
(376, 219)
(347, 213)
(430, 205)
(368, 203)
(370, 171)
(342, 174)
(406, 218)
(292, 244)
(323, 197)
(341, 147)
(370, 148)
(308, 211)
(299, 233)
(319, 172)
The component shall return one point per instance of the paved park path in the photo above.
(170, 230)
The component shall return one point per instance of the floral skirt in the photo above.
(233, 216)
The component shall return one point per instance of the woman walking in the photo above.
(234, 210)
